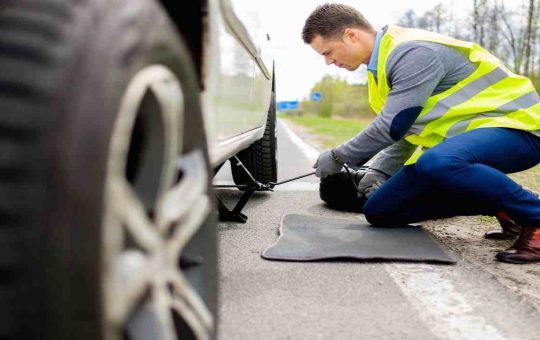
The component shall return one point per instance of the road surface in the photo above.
(262, 299)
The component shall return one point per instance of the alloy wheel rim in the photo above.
(148, 221)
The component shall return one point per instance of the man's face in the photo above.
(349, 52)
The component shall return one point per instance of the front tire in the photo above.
(105, 203)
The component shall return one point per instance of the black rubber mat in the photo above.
(309, 238)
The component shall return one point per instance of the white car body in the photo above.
(237, 76)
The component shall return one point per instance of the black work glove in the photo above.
(327, 164)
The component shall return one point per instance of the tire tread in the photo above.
(259, 158)
(30, 33)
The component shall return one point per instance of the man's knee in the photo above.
(378, 214)
(433, 164)
(375, 213)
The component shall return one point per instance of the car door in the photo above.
(234, 78)
(249, 14)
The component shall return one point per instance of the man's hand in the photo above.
(371, 182)
(327, 164)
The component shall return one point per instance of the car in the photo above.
(115, 115)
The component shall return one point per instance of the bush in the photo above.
(339, 98)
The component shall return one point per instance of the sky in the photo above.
(298, 66)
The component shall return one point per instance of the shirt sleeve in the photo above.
(391, 159)
(413, 72)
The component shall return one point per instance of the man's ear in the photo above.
(350, 34)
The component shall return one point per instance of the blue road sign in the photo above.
(282, 106)
(293, 105)
(316, 96)
(290, 105)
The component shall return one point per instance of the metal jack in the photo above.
(235, 215)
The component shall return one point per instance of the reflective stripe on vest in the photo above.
(492, 96)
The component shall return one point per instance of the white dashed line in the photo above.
(439, 305)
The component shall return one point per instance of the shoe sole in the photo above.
(500, 236)
(516, 261)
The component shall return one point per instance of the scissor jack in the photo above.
(235, 215)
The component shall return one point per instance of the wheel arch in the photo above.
(189, 19)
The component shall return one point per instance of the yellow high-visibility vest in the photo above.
(492, 96)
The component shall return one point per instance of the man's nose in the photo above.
(328, 60)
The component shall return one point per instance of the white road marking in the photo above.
(440, 306)
(309, 151)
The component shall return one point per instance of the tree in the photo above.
(530, 35)
(409, 19)
(479, 20)
(512, 34)
(494, 33)
(437, 17)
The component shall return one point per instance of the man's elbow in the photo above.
(403, 121)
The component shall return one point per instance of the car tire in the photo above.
(339, 191)
(260, 158)
(107, 227)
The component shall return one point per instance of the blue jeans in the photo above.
(464, 175)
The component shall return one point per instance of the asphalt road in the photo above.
(262, 299)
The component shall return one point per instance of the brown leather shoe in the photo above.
(526, 249)
(509, 229)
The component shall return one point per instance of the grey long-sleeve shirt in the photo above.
(416, 70)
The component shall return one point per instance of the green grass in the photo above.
(332, 131)
(487, 219)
